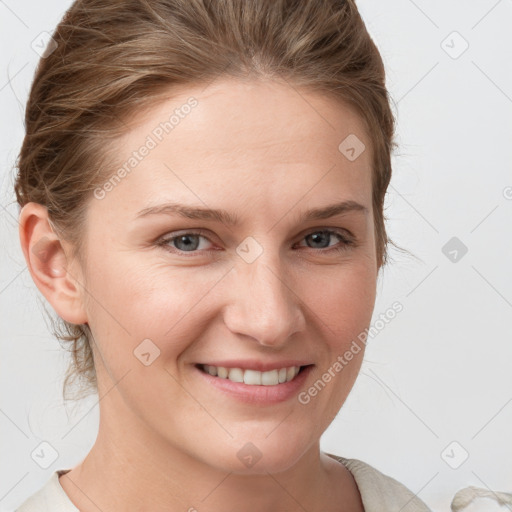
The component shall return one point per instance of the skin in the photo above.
(167, 441)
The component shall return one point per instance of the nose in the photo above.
(263, 304)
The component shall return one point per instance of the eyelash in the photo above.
(347, 242)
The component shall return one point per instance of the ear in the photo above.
(48, 262)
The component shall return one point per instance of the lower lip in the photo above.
(258, 394)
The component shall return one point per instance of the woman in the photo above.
(202, 188)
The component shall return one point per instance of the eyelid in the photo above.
(175, 234)
(345, 233)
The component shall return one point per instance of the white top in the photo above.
(379, 492)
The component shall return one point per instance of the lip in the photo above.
(258, 365)
(257, 394)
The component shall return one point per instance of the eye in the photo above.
(185, 242)
(190, 241)
(324, 236)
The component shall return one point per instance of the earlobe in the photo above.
(48, 264)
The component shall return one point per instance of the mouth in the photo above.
(254, 377)
(255, 387)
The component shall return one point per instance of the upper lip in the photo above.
(258, 365)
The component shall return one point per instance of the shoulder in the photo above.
(380, 492)
(50, 498)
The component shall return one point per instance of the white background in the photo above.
(441, 370)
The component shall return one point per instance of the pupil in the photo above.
(187, 246)
(318, 235)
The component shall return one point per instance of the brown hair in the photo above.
(114, 58)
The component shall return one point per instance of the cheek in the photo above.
(343, 300)
(173, 306)
(341, 308)
(135, 301)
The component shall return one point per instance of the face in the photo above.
(263, 286)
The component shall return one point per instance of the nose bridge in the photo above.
(264, 305)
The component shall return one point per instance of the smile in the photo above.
(253, 377)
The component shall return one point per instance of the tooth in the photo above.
(270, 378)
(222, 372)
(236, 375)
(252, 377)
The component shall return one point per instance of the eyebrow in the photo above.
(223, 216)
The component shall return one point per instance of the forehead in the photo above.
(262, 136)
(259, 113)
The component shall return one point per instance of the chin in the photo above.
(260, 456)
